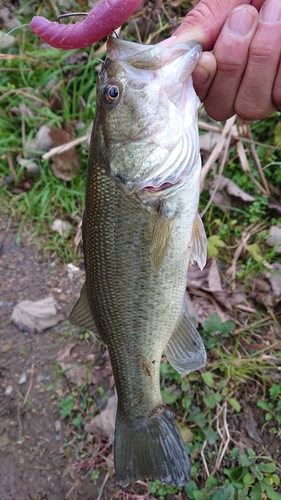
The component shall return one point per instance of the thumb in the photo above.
(205, 21)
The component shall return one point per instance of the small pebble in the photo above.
(22, 379)
(57, 425)
(41, 378)
(1, 303)
(8, 390)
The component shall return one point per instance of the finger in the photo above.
(276, 94)
(205, 21)
(261, 81)
(231, 53)
(204, 73)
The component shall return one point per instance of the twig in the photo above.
(103, 485)
(30, 384)
(55, 7)
(11, 167)
(23, 131)
(231, 271)
(225, 436)
(224, 158)
(258, 164)
(20, 426)
(216, 128)
(217, 150)
(25, 94)
(75, 485)
(64, 147)
(203, 457)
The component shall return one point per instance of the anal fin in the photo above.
(81, 314)
(185, 349)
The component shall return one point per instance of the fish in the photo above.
(141, 229)
(98, 23)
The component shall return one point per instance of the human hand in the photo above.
(242, 74)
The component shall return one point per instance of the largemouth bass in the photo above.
(140, 231)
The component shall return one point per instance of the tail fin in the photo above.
(151, 448)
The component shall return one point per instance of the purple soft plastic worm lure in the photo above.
(106, 16)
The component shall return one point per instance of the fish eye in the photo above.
(111, 93)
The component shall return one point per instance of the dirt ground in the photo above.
(32, 462)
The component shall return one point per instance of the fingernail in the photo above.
(200, 75)
(240, 22)
(271, 12)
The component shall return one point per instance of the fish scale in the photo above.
(140, 231)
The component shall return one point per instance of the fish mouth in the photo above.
(152, 57)
(174, 142)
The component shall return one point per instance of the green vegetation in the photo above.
(230, 414)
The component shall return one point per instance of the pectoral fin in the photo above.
(198, 246)
(160, 239)
(185, 349)
(81, 314)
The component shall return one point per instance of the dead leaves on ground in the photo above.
(93, 369)
(79, 368)
(211, 292)
(34, 317)
(66, 162)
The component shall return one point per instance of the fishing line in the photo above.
(58, 20)
(16, 28)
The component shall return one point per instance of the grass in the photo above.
(227, 463)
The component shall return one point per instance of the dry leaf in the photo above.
(274, 205)
(7, 20)
(204, 308)
(36, 316)
(104, 422)
(31, 166)
(274, 238)
(62, 227)
(42, 142)
(209, 140)
(275, 280)
(209, 280)
(6, 40)
(79, 371)
(65, 165)
(4, 440)
(233, 190)
(261, 292)
(227, 194)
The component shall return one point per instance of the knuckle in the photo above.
(229, 68)
(261, 56)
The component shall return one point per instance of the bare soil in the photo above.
(34, 463)
(32, 457)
